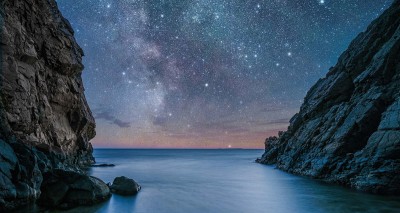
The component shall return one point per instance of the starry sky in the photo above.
(206, 73)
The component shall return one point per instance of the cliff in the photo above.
(45, 121)
(348, 128)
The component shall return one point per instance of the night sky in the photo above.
(206, 73)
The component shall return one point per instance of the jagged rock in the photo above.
(45, 122)
(125, 186)
(67, 189)
(348, 129)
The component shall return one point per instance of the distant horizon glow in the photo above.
(206, 73)
(183, 143)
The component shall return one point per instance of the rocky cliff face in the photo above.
(44, 118)
(348, 129)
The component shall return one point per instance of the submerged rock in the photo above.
(348, 129)
(67, 189)
(125, 186)
(103, 165)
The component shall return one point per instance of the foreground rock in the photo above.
(348, 129)
(67, 189)
(125, 186)
(45, 122)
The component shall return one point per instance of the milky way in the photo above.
(206, 73)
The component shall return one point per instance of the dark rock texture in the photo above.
(103, 165)
(45, 122)
(68, 189)
(125, 186)
(348, 129)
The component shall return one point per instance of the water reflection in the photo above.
(223, 181)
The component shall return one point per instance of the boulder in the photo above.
(125, 186)
(68, 189)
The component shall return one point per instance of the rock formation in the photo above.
(66, 189)
(45, 122)
(125, 186)
(348, 129)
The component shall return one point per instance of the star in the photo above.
(220, 65)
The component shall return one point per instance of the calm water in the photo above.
(206, 181)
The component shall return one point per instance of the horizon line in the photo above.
(184, 148)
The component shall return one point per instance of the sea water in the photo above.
(226, 180)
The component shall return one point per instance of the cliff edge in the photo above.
(348, 128)
(45, 121)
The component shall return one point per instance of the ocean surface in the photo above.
(207, 181)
